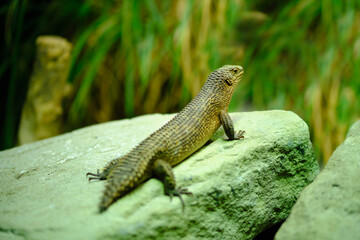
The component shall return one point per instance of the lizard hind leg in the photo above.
(103, 175)
(164, 173)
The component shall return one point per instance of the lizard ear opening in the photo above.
(228, 81)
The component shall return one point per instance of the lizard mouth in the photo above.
(240, 74)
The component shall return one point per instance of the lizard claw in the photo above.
(240, 135)
(177, 192)
(97, 176)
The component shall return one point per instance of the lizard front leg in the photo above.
(228, 126)
(163, 171)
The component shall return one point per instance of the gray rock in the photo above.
(329, 208)
(240, 187)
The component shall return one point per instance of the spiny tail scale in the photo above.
(125, 176)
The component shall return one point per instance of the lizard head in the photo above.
(228, 75)
(231, 74)
(222, 83)
(226, 78)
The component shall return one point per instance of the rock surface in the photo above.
(240, 187)
(329, 208)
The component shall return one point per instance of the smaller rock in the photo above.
(329, 208)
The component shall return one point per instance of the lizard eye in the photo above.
(235, 70)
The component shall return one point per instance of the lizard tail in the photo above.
(122, 179)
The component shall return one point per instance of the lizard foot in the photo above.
(97, 176)
(240, 135)
(177, 192)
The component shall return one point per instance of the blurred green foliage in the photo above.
(135, 57)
